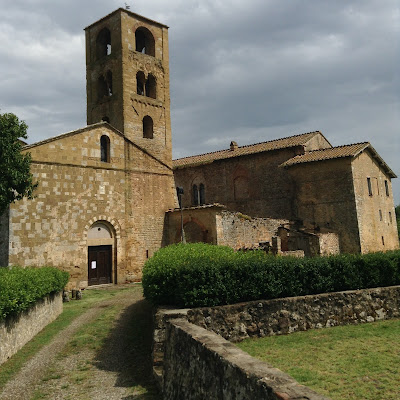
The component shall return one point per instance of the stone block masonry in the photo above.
(191, 350)
(16, 331)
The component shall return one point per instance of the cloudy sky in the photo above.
(248, 71)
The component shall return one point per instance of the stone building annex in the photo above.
(107, 192)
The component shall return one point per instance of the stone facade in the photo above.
(322, 190)
(16, 331)
(101, 208)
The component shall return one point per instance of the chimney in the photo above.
(234, 145)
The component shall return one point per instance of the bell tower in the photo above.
(127, 78)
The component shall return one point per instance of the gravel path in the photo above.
(120, 369)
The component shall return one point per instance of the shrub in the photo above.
(197, 274)
(20, 288)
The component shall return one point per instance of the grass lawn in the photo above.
(346, 362)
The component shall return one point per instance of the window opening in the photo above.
(369, 186)
(151, 87)
(380, 215)
(383, 241)
(390, 217)
(144, 41)
(140, 79)
(201, 194)
(195, 195)
(103, 43)
(105, 148)
(147, 127)
(106, 119)
(109, 83)
(386, 188)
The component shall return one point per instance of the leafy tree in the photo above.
(398, 218)
(16, 180)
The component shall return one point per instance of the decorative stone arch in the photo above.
(102, 237)
(195, 231)
(145, 41)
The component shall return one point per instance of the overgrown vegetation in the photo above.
(197, 274)
(348, 362)
(20, 288)
(398, 218)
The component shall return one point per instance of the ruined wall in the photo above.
(4, 238)
(16, 331)
(241, 231)
(376, 212)
(325, 199)
(130, 194)
(251, 184)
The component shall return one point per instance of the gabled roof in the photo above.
(350, 150)
(235, 151)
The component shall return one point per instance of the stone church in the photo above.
(107, 192)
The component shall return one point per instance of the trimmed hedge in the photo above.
(198, 274)
(20, 288)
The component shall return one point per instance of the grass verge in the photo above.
(71, 311)
(347, 362)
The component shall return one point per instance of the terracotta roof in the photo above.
(350, 150)
(291, 141)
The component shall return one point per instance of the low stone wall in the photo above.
(281, 316)
(192, 354)
(202, 365)
(16, 331)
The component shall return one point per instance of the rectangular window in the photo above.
(369, 186)
(387, 188)
(380, 215)
(390, 217)
(383, 241)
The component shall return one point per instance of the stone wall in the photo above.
(200, 364)
(4, 238)
(282, 316)
(188, 354)
(16, 331)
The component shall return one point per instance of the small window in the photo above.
(147, 127)
(390, 217)
(195, 195)
(151, 87)
(104, 85)
(145, 41)
(103, 43)
(202, 194)
(386, 188)
(105, 149)
(380, 215)
(106, 119)
(383, 241)
(369, 186)
(140, 83)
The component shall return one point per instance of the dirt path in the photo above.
(119, 368)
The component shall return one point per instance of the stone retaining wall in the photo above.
(191, 351)
(16, 331)
(281, 316)
(202, 365)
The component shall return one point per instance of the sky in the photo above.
(248, 71)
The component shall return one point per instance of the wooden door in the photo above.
(99, 264)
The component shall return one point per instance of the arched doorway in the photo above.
(101, 254)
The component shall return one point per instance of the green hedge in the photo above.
(20, 288)
(195, 275)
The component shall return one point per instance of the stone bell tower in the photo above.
(127, 77)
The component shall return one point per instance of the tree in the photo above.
(397, 209)
(16, 180)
